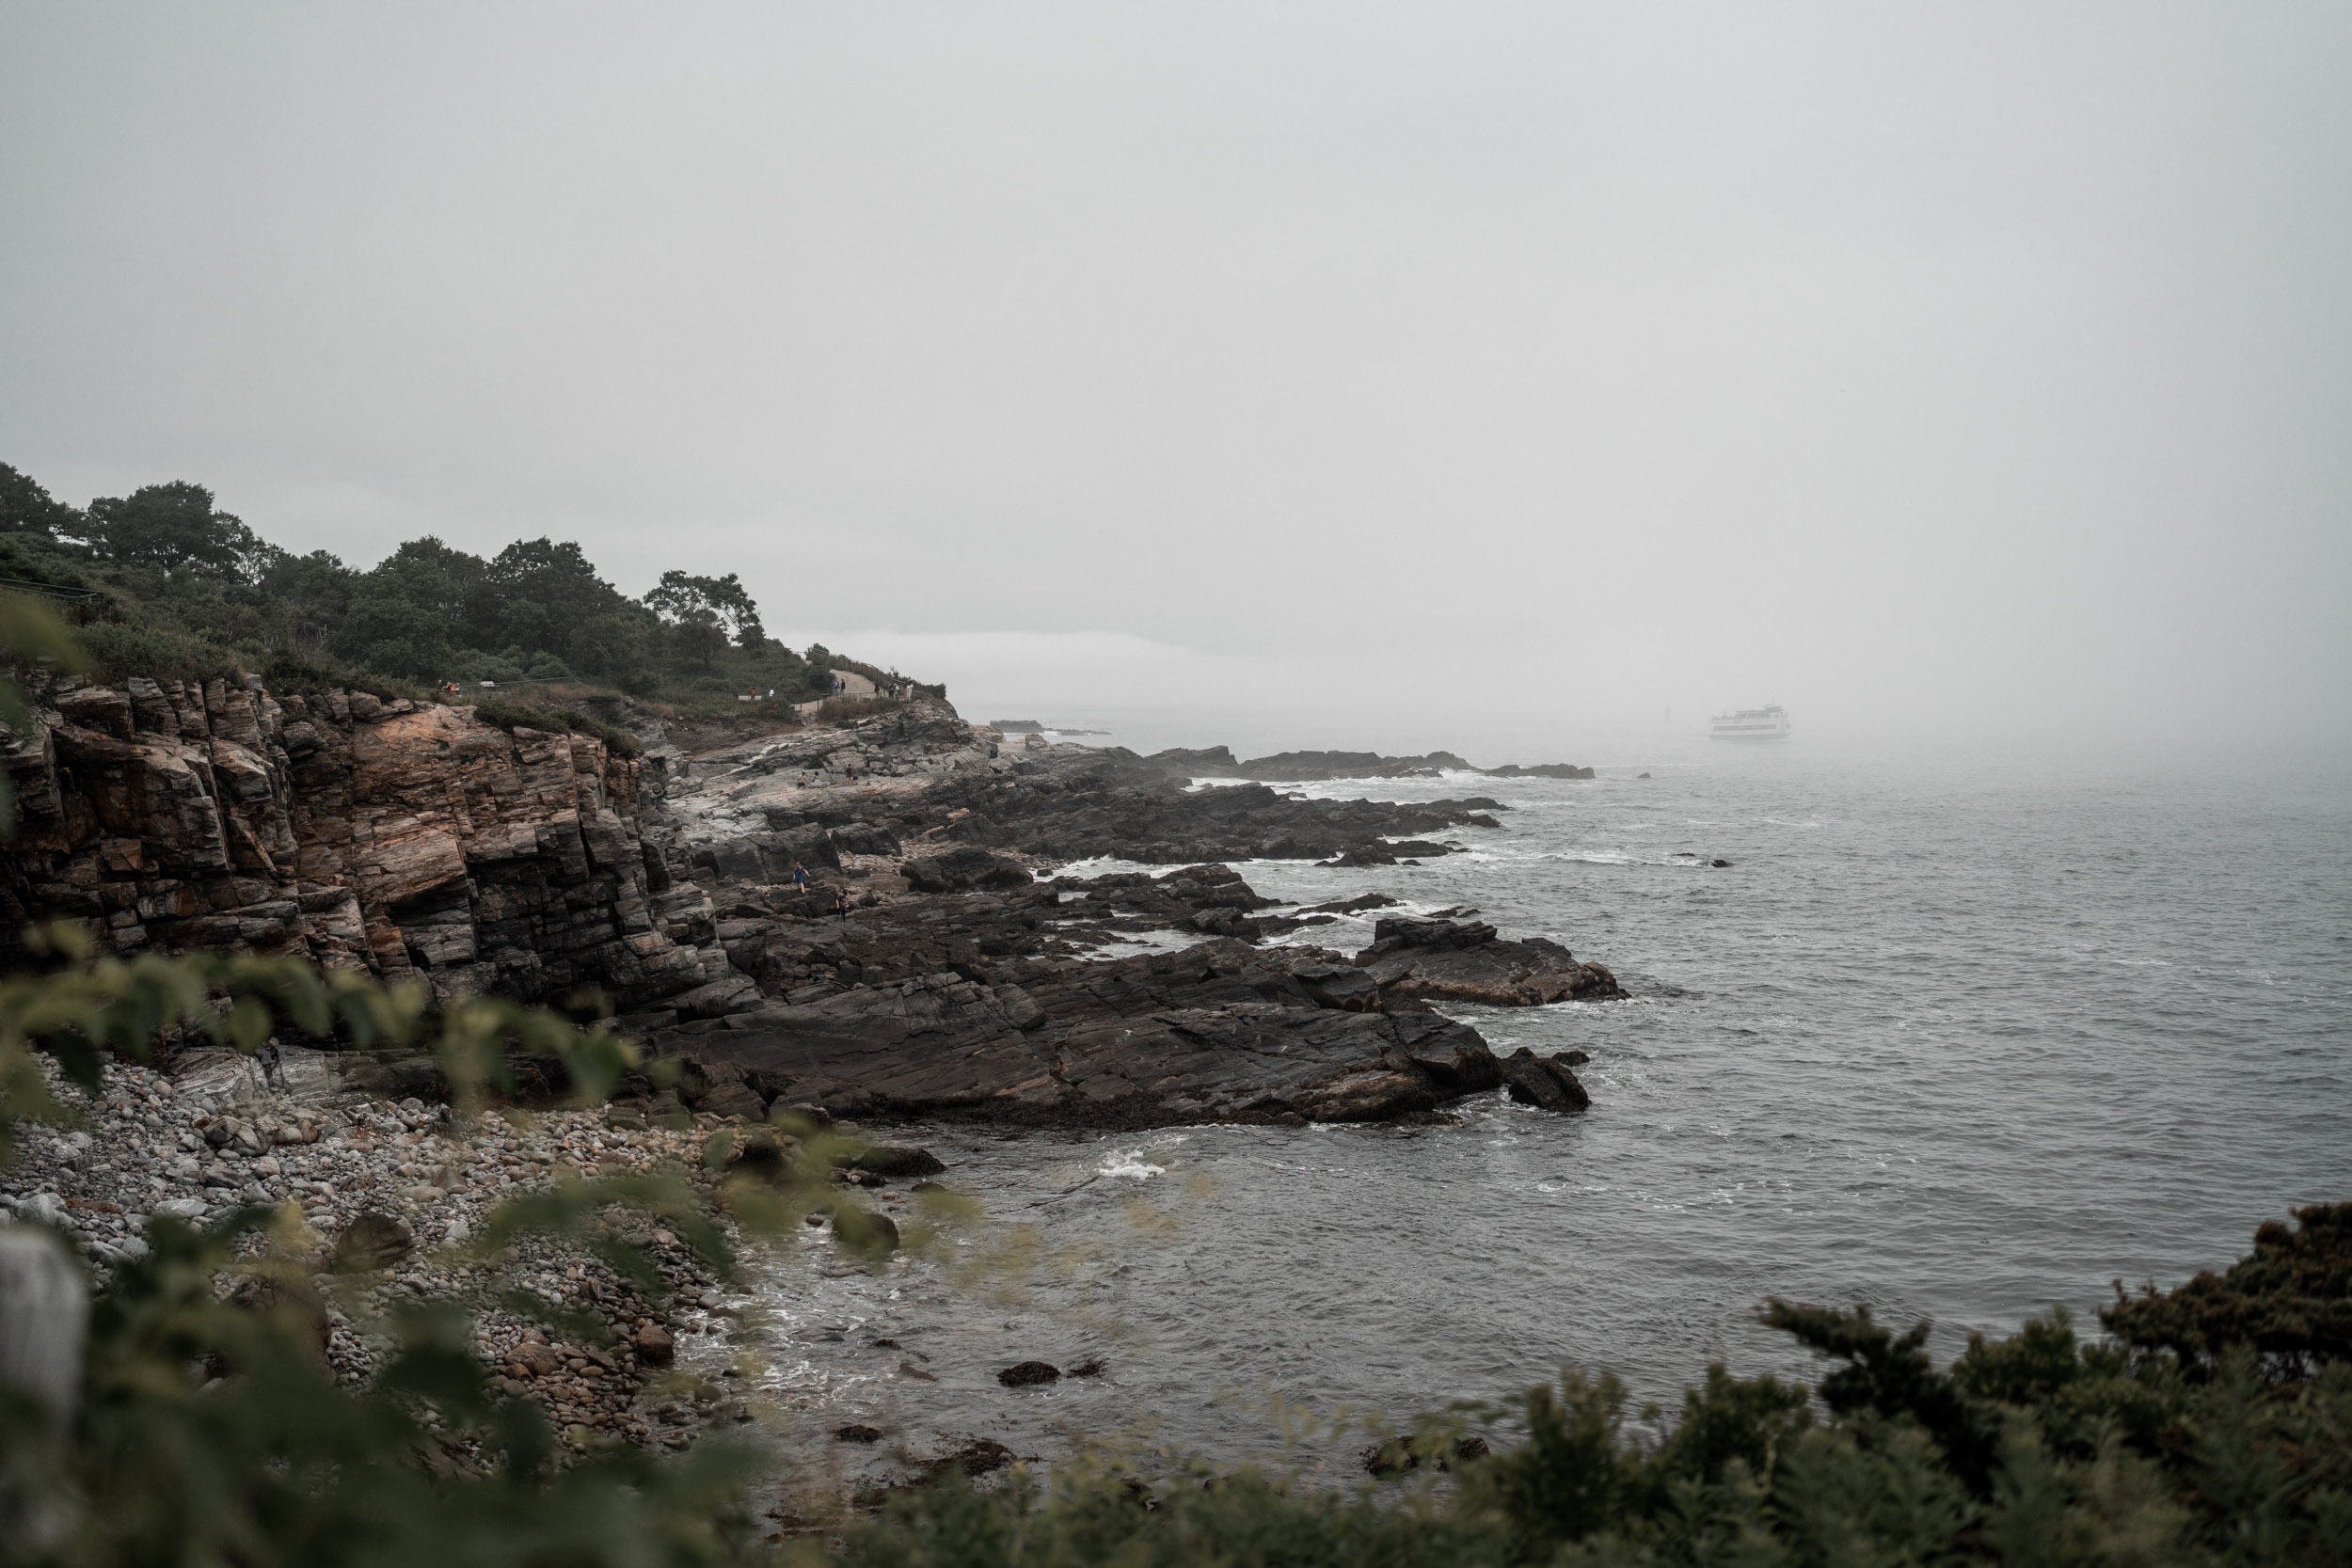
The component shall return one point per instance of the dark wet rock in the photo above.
(1298, 767)
(1113, 802)
(654, 1346)
(1217, 762)
(1719, 864)
(767, 858)
(1404, 851)
(891, 1159)
(976, 1004)
(1029, 1374)
(977, 1456)
(765, 1157)
(862, 1230)
(863, 838)
(1467, 961)
(964, 868)
(374, 1241)
(1182, 898)
(1091, 1367)
(1207, 762)
(734, 1100)
(1547, 1082)
(1351, 906)
(1456, 1065)
(1342, 986)
(1218, 1032)
(857, 1434)
(402, 1078)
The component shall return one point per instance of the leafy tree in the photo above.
(614, 645)
(25, 507)
(1889, 1375)
(684, 600)
(311, 595)
(443, 583)
(702, 641)
(173, 529)
(383, 629)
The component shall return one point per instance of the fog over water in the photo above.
(1953, 370)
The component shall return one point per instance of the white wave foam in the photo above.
(1131, 1163)
(1139, 942)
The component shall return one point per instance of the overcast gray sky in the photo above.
(1980, 365)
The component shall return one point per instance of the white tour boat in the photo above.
(1769, 722)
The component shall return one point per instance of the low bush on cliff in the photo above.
(509, 716)
(118, 649)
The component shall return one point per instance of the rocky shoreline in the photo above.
(870, 921)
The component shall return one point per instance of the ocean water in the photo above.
(1959, 1042)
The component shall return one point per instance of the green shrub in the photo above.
(122, 649)
(506, 714)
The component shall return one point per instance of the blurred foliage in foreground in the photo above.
(2213, 1426)
(205, 1426)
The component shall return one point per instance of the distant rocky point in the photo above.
(1032, 726)
(1541, 770)
(1297, 766)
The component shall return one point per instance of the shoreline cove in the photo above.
(1951, 1047)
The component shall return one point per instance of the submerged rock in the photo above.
(892, 1159)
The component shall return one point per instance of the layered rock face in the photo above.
(393, 838)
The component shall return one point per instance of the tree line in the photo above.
(169, 556)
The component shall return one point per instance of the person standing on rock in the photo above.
(841, 905)
(800, 877)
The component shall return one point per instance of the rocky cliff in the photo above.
(391, 837)
(921, 969)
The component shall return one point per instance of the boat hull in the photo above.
(1752, 723)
